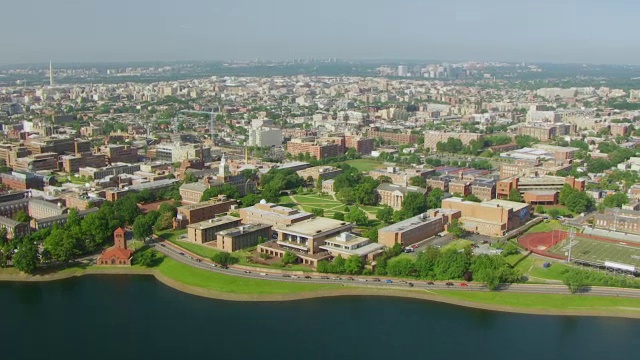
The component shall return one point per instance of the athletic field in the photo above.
(598, 251)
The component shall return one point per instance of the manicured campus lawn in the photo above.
(457, 244)
(365, 164)
(232, 284)
(544, 301)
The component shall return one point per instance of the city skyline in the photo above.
(566, 32)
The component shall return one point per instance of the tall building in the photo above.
(402, 70)
(265, 137)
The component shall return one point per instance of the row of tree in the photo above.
(432, 264)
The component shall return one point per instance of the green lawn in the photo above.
(546, 226)
(545, 301)
(232, 284)
(457, 244)
(365, 164)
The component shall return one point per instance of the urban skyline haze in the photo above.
(573, 31)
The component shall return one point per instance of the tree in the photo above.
(127, 208)
(142, 228)
(385, 214)
(540, 209)
(514, 195)
(414, 203)
(319, 184)
(598, 165)
(574, 279)
(456, 228)
(289, 258)
(473, 198)
(357, 216)
(525, 140)
(337, 265)
(61, 245)
(418, 181)
(147, 258)
(384, 179)
(224, 258)
(553, 213)
(26, 257)
(22, 216)
(190, 177)
(434, 199)
(615, 200)
(317, 211)
(338, 216)
(354, 265)
(401, 267)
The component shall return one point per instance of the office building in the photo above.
(242, 237)
(491, 218)
(205, 231)
(417, 228)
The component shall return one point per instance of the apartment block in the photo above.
(400, 138)
(120, 153)
(37, 162)
(362, 145)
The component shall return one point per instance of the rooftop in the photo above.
(403, 189)
(410, 223)
(243, 229)
(203, 225)
(315, 226)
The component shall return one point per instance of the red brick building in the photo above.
(118, 254)
(362, 145)
(400, 138)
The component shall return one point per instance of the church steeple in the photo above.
(223, 169)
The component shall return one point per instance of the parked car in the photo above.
(388, 281)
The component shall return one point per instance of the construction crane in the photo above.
(211, 119)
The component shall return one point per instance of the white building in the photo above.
(265, 137)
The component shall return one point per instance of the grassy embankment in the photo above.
(545, 301)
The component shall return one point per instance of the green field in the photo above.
(545, 301)
(546, 226)
(365, 164)
(232, 284)
(316, 201)
(458, 244)
(599, 251)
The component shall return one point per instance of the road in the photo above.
(174, 252)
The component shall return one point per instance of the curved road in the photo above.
(185, 257)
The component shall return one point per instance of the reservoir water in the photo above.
(137, 317)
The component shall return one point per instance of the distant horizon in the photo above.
(376, 61)
(545, 31)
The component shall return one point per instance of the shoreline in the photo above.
(345, 291)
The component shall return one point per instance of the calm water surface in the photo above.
(136, 317)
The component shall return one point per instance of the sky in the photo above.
(560, 31)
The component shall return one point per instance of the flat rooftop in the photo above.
(243, 229)
(409, 223)
(314, 227)
(203, 225)
(203, 204)
(541, 180)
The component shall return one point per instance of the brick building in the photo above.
(120, 153)
(272, 214)
(14, 228)
(432, 138)
(400, 138)
(393, 195)
(22, 180)
(362, 145)
(205, 231)
(491, 218)
(37, 162)
(242, 237)
(417, 228)
(73, 163)
(195, 213)
(118, 254)
(39, 209)
(322, 172)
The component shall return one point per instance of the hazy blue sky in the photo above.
(594, 31)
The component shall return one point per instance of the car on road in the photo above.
(402, 282)
(388, 281)
(295, 277)
(430, 283)
(214, 265)
(198, 260)
(163, 245)
(324, 277)
(363, 280)
(376, 279)
(224, 267)
(449, 284)
(247, 272)
(337, 278)
(410, 284)
(464, 284)
(181, 253)
(263, 274)
(350, 278)
(307, 277)
(286, 275)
